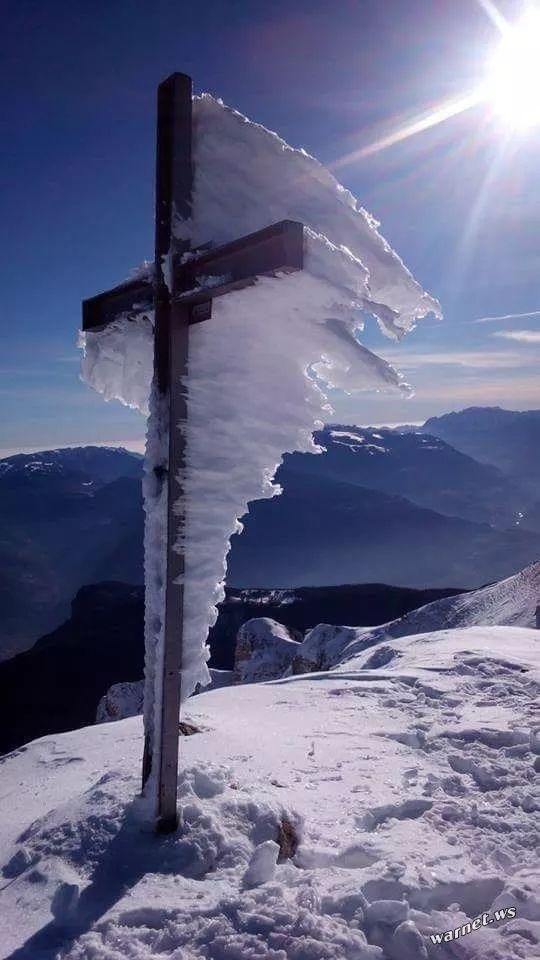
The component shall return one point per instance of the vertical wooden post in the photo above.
(173, 200)
(169, 713)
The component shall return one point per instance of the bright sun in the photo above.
(513, 82)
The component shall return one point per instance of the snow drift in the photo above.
(259, 368)
(343, 815)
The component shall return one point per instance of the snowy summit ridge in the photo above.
(342, 815)
(259, 368)
(511, 602)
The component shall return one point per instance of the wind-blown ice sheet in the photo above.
(247, 177)
(246, 406)
(118, 361)
(259, 367)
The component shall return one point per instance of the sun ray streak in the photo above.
(510, 85)
(425, 121)
(494, 15)
(472, 226)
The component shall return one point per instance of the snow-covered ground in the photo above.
(398, 796)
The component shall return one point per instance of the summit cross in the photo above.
(184, 284)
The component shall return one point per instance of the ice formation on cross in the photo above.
(260, 367)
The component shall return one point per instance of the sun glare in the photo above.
(513, 84)
(510, 90)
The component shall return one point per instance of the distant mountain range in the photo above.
(423, 469)
(505, 438)
(67, 518)
(410, 508)
(381, 504)
(324, 532)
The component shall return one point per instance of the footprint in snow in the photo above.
(408, 810)
(410, 777)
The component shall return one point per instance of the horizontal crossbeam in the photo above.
(130, 297)
(199, 280)
(276, 249)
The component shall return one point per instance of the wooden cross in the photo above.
(179, 298)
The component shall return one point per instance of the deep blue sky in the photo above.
(78, 86)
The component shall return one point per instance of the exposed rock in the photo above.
(301, 664)
(264, 650)
(121, 700)
(287, 839)
(187, 729)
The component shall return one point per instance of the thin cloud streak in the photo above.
(474, 360)
(484, 393)
(521, 336)
(507, 316)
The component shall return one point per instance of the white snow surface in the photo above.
(410, 791)
(259, 368)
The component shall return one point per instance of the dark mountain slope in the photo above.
(57, 684)
(324, 532)
(423, 469)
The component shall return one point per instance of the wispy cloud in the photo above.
(511, 392)
(27, 371)
(521, 336)
(470, 359)
(507, 316)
